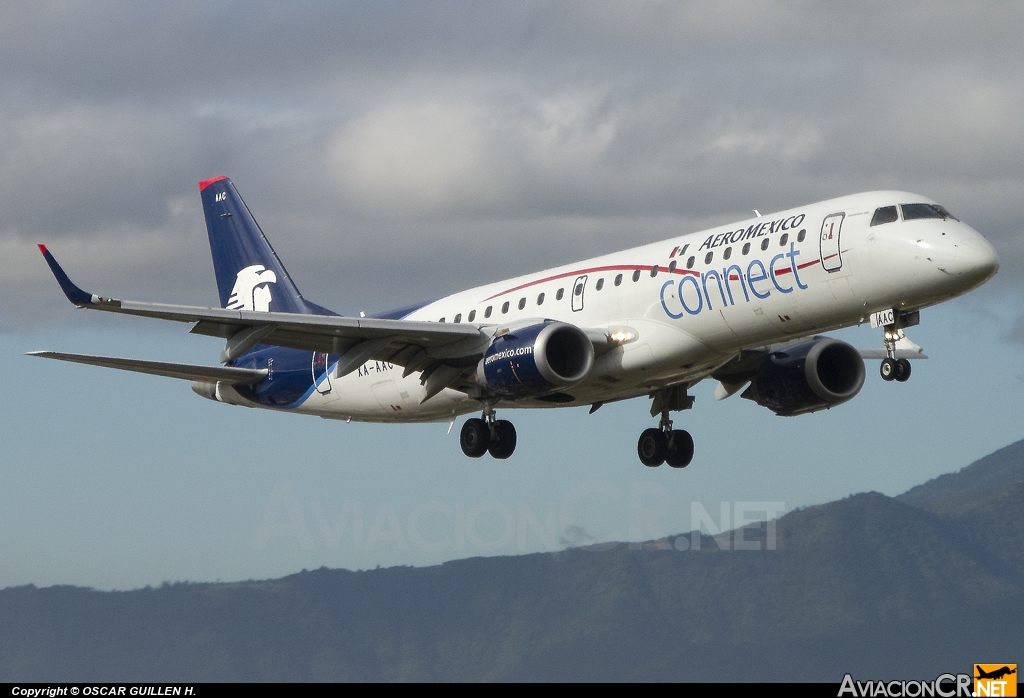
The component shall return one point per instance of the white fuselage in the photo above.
(695, 301)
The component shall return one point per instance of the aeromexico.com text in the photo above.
(507, 354)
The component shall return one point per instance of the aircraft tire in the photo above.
(680, 449)
(503, 443)
(902, 370)
(888, 369)
(652, 447)
(475, 437)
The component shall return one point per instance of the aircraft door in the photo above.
(831, 258)
(577, 293)
(320, 361)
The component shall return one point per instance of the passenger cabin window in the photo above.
(636, 275)
(618, 280)
(654, 271)
(504, 307)
(472, 316)
(727, 253)
(708, 257)
(746, 248)
(540, 299)
(559, 293)
(522, 303)
(672, 266)
(441, 320)
(917, 211)
(458, 318)
(600, 284)
(783, 240)
(487, 311)
(764, 244)
(690, 262)
(885, 214)
(801, 235)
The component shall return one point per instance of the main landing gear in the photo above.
(663, 444)
(488, 435)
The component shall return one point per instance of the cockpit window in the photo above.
(915, 211)
(885, 214)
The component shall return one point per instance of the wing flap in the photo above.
(238, 376)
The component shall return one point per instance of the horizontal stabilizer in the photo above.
(246, 376)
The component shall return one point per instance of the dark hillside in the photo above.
(1004, 467)
(869, 585)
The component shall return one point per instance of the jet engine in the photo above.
(536, 360)
(807, 377)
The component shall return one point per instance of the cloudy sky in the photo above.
(395, 152)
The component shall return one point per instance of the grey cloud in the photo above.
(450, 143)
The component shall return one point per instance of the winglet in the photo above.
(74, 294)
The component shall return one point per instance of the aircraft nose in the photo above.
(971, 261)
(978, 258)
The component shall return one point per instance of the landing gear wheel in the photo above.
(902, 370)
(680, 449)
(475, 437)
(888, 369)
(503, 440)
(652, 447)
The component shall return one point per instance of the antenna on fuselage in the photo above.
(757, 213)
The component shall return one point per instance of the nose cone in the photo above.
(976, 261)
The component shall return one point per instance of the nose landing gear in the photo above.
(893, 369)
(488, 435)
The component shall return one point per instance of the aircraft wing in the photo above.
(444, 353)
(159, 368)
(901, 353)
(415, 345)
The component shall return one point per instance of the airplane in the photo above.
(743, 304)
(994, 674)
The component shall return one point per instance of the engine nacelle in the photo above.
(807, 377)
(536, 360)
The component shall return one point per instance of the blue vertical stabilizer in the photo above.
(249, 274)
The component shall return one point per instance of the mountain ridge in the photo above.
(868, 583)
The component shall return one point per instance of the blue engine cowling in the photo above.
(536, 360)
(807, 377)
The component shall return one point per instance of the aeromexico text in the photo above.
(754, 231)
